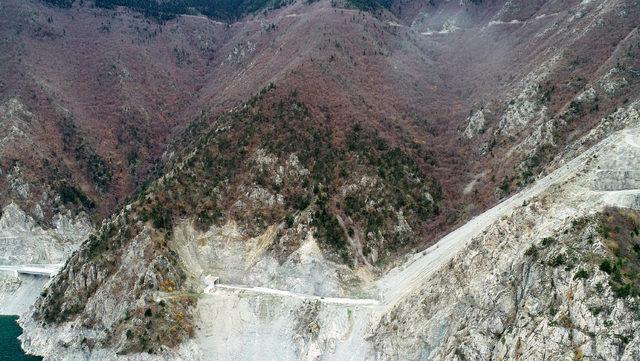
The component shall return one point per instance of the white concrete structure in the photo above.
(211, 282)
(47, 270)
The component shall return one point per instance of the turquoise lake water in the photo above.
(9, 345)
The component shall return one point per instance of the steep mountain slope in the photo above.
(559, 269)
(374, 134)
(101, 97)
(84, 114)
(107, 124)
(538, 283)
(268, 176)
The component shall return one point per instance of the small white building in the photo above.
(211, 282)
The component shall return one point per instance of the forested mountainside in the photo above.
(311, 146)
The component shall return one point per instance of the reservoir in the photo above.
(9, 345)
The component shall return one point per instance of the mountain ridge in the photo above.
(371, 135)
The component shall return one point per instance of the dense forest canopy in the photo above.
(225, 10)
(218, 9)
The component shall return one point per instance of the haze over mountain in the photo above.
(399, 179)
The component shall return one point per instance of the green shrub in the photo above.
(505, 186)
(622, 291)
(161, 218)
(60, 3)
(558, 260)
(532, 251)
(288, 220)
(328, 228)
(370, 5)
(581, 274)
(71, 194)
(547, 241)
(606, 267)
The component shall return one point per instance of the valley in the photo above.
(321, 180)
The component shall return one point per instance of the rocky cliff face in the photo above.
(513, 294)
(552, 280)
(38, 225)
(17, 294)
(549, 273)
(23, 241)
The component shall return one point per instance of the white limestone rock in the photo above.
(476, 124)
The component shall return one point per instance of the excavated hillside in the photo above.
(306, 150)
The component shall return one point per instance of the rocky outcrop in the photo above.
(15, 124)
(613, 81)
(226, 253)
(524, 109)
(514, 294)
(476, 124)
(23, 241)
(531, 286)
